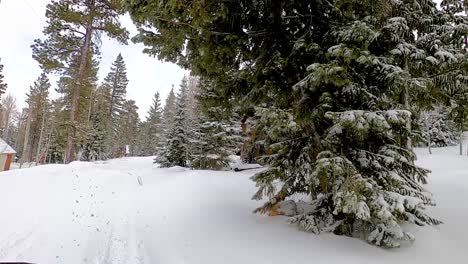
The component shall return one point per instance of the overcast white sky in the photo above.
(22, 21)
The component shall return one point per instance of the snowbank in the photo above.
(130, 211)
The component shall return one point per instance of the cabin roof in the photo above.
(5, 148)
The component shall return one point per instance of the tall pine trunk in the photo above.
(26, 139)
(41, 134)
(70, 153)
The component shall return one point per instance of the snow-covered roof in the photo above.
(5, 148)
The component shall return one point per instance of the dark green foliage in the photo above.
(66, 29)
(333, 84)
(71, 32)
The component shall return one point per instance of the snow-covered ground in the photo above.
(129, 211)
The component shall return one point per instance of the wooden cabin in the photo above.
(7, 153)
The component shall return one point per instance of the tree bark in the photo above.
(39, 144)
(461, 141)
(70, 154)
(26, 139)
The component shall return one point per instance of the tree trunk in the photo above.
(48, 146)
(429, 142)
(39, 144)
(70, 153)
(26, 139)
(461, 142)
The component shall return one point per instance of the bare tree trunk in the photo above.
(461, 141)
(429, 142)
(26, 139)
(39, 144)
(48, 145)
(70, 153)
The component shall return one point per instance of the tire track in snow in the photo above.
(117, 240)
(123, 245)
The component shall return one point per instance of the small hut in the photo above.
(6, 155)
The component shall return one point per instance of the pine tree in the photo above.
(58, 132)
(174, 150)
(64, 105)
(167, 120)
(69, 38)
(333, 96)
(115, 86)
(38, 102)
(213, 137)
(169, 109)
(99, 119)
(128, 133)
(154, 124)
(116, 82)
(3, 85)
(211, 144)
(143, 141)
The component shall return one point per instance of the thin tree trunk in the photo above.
(461, 141)
(48, 145)
(26, 139)
(429, 142)
(70, 154)
(38, 152)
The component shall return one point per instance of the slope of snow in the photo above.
(130, 211)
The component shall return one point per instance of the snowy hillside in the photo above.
(130, 211)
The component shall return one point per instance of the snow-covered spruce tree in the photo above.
(216, 131)
(307, 67)
(213, 139)
(437, 129)
(355, 164)
(452, 61)
(174, 148)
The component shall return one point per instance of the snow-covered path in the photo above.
(129, 211)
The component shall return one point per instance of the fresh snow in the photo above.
(129, 211)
